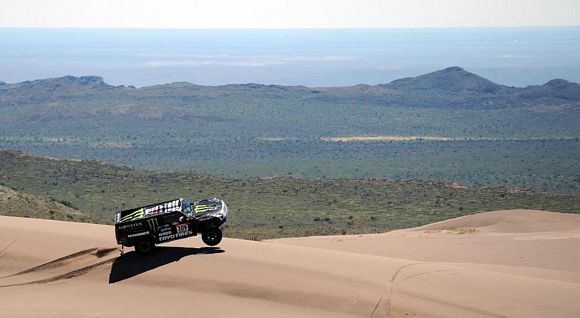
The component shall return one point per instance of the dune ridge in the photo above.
(516, 263)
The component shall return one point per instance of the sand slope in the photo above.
(506, 264)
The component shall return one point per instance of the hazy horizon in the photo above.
(289, 14)
(310, 57)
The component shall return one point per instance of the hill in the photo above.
(13, 203)
(554, 89)
(52, 89)
(452, 79)
(268, 207)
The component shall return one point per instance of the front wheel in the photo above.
(144, 247)
(212, 236)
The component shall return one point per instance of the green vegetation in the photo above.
(486, 135)
(268, 207)
(13, 203)
(544, 165)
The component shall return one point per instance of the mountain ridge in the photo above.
(447, 74)
(466, 88)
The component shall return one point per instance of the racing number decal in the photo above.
(181, 228)
(181, 231)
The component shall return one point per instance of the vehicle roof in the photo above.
(149, 210)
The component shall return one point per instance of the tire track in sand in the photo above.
(66, 267)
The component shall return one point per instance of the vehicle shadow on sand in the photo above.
(132, 264)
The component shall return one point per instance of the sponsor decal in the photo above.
(153, 224)
(205, 208)
(131, 226)
(138, 234)
(175, 236)
(134, 215)
(163, 228)
(171, 206)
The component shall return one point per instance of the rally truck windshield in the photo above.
(185, 207)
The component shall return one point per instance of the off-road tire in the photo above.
(144, 247)
(212, 236)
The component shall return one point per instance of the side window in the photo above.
(170, 218)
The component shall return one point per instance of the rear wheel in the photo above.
(212, 236)
(144, 247)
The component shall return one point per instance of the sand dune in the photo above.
(498, 264)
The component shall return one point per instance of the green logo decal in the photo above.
(135, 215)
(153, 224)
(204, 208)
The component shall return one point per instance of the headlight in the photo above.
(223, 212)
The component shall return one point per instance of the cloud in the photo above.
(391, 67)
(184, 55)
(170, 63)
(512, 56)
(255, 63)
(248, 61)
(326, 58)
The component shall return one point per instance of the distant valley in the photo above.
(449, 125)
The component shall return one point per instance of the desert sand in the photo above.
(515, 263)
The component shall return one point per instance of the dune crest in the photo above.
(511, 221)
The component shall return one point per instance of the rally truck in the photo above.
(146, 226)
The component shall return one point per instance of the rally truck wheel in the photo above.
(212, 236)
(144, 247)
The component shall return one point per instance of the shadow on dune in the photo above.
(132, 264)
